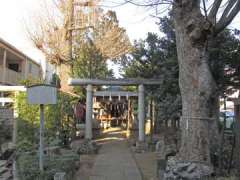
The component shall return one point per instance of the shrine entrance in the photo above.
(112, 109)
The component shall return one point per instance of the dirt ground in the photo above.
(147, 164)
(86, 165)
(111, 140)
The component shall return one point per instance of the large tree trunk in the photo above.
(237, 134)
(196, 84)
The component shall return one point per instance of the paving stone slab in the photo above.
(97, 178)
(115, 162)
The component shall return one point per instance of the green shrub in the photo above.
(28, 166)
(58, 119)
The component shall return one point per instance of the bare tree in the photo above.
(196, 23)
(58, 34)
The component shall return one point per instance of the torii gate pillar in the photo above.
(141, 113)
(115, 82)
(89, 110)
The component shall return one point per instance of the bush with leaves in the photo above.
(58, 118)
(28, 167)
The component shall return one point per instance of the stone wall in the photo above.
(6, 125)
(6, 115)
(6, 145)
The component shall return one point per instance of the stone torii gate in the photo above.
(114, 82)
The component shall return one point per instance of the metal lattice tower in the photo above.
(80, 16)
(85, 14)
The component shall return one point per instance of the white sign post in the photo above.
(41, 94)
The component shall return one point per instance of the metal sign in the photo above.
(42, 94)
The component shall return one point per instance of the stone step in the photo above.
(97, 178)
(3, 163)
(6, 176)
(7, 146)
(3, 170)
(5, 173)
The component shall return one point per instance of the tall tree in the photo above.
(156, 57)
(198, 87)
(196, 23)
(224, 57)
(57, 35)
(89, 62)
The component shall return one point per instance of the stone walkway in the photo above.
(115, 161)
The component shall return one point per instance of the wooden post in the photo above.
(151, 118)
(15, 116)
(4, 66)
(26, 68)
(129, 118)
(149, 109)
(2, 95)
(154, 116)
(222, 139)
(14, 135)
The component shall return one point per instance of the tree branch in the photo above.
(205, 9)
(155, 3)
(226, 11)
(228, 17)
(213, 13)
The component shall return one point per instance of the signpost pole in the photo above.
(41, 94)
(41, 134)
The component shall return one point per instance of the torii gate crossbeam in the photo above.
(114, 82)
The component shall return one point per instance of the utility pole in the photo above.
(70, 29)
(81, 15)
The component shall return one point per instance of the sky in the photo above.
(14, 15)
